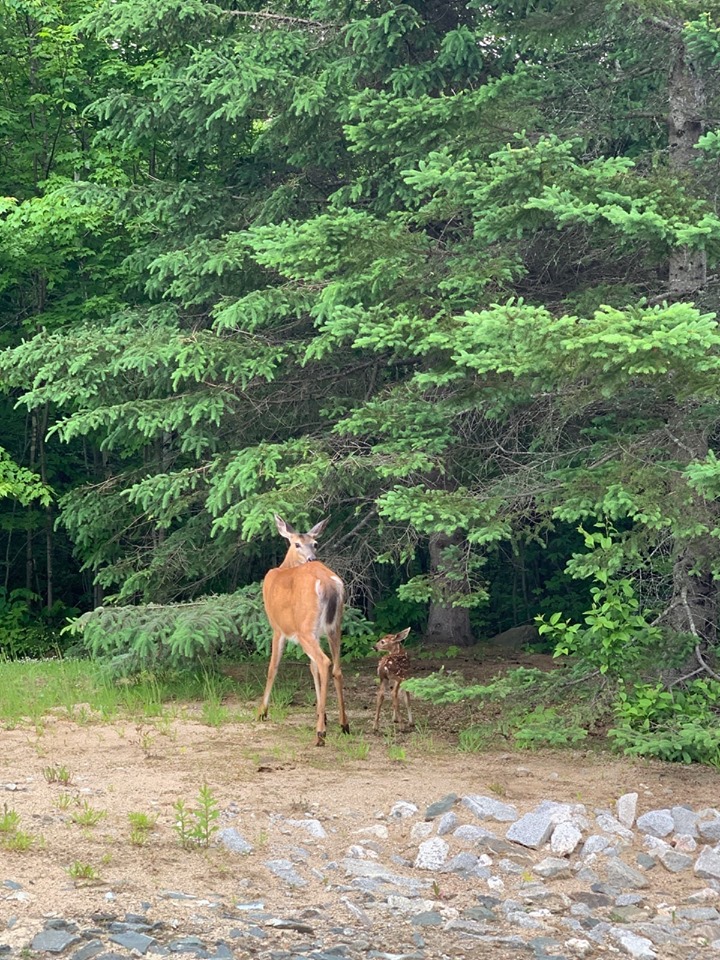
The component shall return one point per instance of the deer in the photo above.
(392, 669)
(303, 601)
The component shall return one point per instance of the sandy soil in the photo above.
(260, 774)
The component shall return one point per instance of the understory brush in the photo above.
(530, 707)
(680, 724)
(576, 704)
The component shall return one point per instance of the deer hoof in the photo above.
(262, 714)
(345, 727)
(320, 739)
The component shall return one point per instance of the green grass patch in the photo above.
(83, 691)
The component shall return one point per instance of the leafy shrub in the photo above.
(442, 687)
(545, 727)
(616, 634)
(680, 725)
(25, 633)
(392, 614)
(177, 635)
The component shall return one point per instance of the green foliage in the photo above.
(444, 687)
(25, 633)
(141, 825)
(392, 611)
(57, 774)
(616, 636)
(170, 637)
(405, 264)
(160, 637)
(20, 483)
(675, 724)
(545, 727)
(87, 816)
(196, 827)
(12, 838)
(82, 871)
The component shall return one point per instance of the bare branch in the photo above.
(281, 18)
(704, 664)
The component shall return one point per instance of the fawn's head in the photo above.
(391, 641)
(302, 545)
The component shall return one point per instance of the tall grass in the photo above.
(83, 691)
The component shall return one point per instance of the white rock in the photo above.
(432, 854)
(594, 844)
(706, 895)
(312, 827)
(378, 830)
(707, 864)
(420, 831)
(626, 808)
(658, 823)
(685, 843)
(488, 808)
(579, 948)
(655, 844)
(609, 824)
(565, 839)
(410, 905)
(532, 830)
(360, 853)
(640, 948)
(403, 809)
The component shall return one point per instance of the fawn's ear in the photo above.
(284, 529)
(401, 636)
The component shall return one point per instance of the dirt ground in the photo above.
(258, 775)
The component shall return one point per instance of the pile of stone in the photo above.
(470, 875)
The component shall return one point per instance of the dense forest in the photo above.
(442, 271)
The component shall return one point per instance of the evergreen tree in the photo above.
(423, 265)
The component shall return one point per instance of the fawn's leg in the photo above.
(378, 704)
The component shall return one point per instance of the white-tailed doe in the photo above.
(392, 669)
(304, 601)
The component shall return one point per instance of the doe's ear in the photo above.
(318, 528)
(284, 529)
(401, 636)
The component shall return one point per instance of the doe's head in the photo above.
(303, 545)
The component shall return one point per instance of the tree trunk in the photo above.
(447, 624)
(693, 607)
(49, 579)
(694, 597)
(688, 265)
(29, 555)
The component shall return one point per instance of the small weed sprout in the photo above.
(11, 837)
(87, 816)
(82, 871)
(354, 748)
(140, 826)
(196, 827)
(397, 754)
(9, 821)
(19, 841)
(56, 774)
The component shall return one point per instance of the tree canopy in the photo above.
(444, 271)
